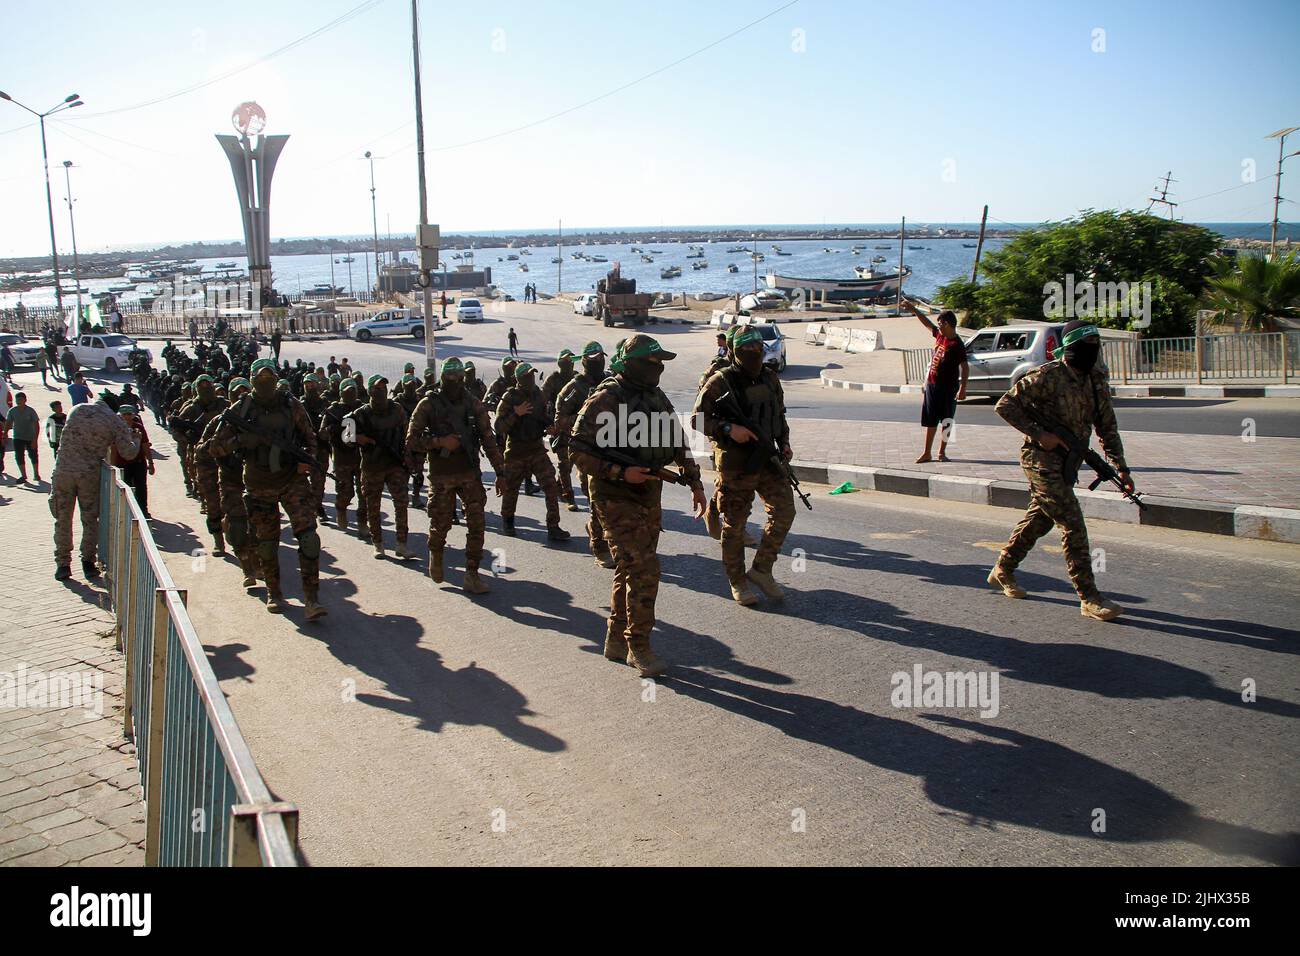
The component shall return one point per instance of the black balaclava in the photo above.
(593, 366)
(643, 372)
(1081, 354)
(265, 387)
(453, 387)
(750, 358)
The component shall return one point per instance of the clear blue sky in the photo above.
(827, 110)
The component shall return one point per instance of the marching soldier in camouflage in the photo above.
(347, 456)
(550, 392)
(381, 435)
(747, 389)
(452, 427)
(567, 405)
(274, 478)
(1073, 393)
(409, 396)
(521, 419)
(626, 498)
(91, 429)
(473, 384)
(191, 421)
(230, 483)
(182, 439)
(315, 404)
(505, 381)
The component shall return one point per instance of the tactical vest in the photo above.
(658, 450)
(447, 419)
(276, 420)
(315, 406)
(527, 429)
(758, 403)
(387, 429)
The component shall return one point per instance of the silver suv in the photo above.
(1002, 356)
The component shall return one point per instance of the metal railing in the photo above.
(916, 365)
(1261, 357)
(206, 804)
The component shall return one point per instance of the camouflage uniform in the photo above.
(455, 474)
(746, 469)
(630, 515)
(567, 404)
(314, 405)
(347, 458)
(233, 510)
(272, 480)
(525, 454)
(550, 392)
(193, 420)
(1080, 402)
(89, 432)
(409, 397)
(383, 465)
(182, 439)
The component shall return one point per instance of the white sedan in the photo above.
(584, 305)
(469, 310)
(23, 350)
(107, 351)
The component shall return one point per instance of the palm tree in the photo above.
(1259, 290)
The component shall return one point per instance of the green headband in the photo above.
(311, 377)
(565, 354)
(453, 366)
(747, 337)
(263, 364)
(522, 369)
(204, 378)
(1082, 332)
(592, 348)
(240, 383)
(370, 382)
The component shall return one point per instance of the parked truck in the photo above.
(618, 301)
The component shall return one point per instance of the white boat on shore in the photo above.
(868, 284)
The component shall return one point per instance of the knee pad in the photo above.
(309, 544)
(237, 532)
(266, 550)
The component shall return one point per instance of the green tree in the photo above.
(1258, 290)
(1097, 248)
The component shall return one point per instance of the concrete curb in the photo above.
(1119, 391)
(1207, 517)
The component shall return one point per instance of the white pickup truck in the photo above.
(108, 351)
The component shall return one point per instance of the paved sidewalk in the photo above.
(1232, 470)
(69, 784)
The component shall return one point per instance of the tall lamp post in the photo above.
(76, 263)
(374, 214)
(69, 101)
(426, 239)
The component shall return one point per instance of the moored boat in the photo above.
(868, 284)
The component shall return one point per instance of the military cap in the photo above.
(522, 369)
(452, 366)
(370, 382)
(592, 348)
(644, 346)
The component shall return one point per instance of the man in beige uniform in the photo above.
(90, 431)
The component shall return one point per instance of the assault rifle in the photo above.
(386, 445)
(299, 455)
(627, 461)
(766, 444)
(1078, 452)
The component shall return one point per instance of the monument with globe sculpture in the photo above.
(252, 161)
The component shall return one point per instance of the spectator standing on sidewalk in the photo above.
(945, 385)
(43, 366)
(25, 430)
(90, 431)
(194, 333)
(514, 343)
(276, 340)
(79, 391)
(54, 427)
(70, 364)
(137, 468)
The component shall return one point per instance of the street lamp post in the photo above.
(428, 256)
(1280, 136)
(68, 103)
(72, 222)
(374, 214)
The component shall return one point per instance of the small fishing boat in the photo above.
(699, 265)
(733, 268)
(523, 267)
(597, 259)
(672, 272)
(884, 247)
(695, 255)
(968, 245)
(916, 248)
(512, 257)
(868, 284)
(555, 259)
(645, 258)
(877, 258)
(224, 265)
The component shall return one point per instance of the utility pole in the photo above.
(1280, 136)
(559, 253)
(374, 217)
(979, 246)
(902, 236)
(428, 254)
(76, 263)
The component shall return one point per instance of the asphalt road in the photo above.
(416, 725)
(546, 328)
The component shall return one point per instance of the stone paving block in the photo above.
(74, 831)
(89, 846)
(54, 820)
(48, 856)
(28, 844)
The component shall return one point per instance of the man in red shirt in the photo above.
(945, 385)
(136, 471)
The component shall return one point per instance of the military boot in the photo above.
(605, 559)
(313, 608)
(744, 594)
(616, 644)
(642, 658)
(379, 550)
(274, 601)
(1004, 578)
(508, 525)
(473, 584)
(250, 581)
(555, 533)
(766, 583)
(1099, 609)
(402, 553)
(435, 565)
(713, 519)
(62, 572)
(90, 569)
(218, 543)
(343, 519)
